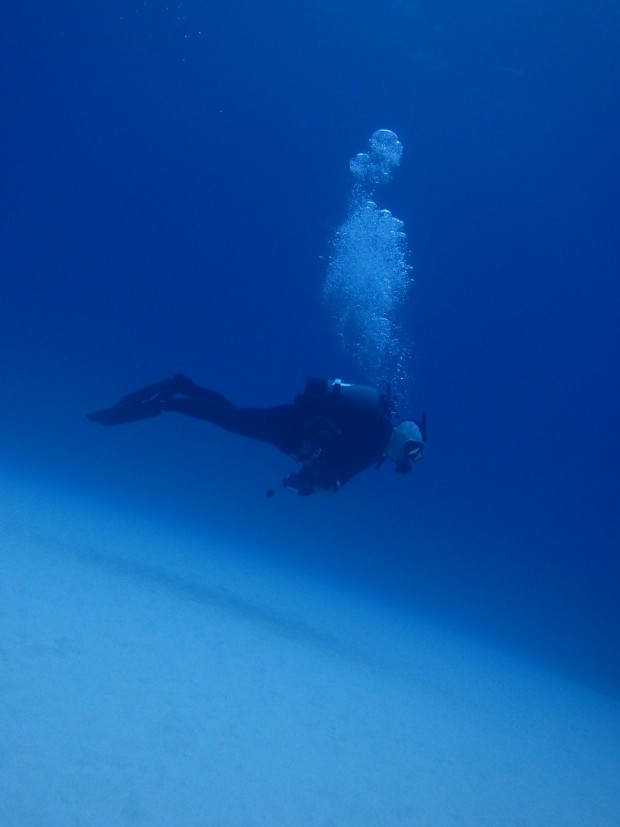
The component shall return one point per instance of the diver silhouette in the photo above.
(334, 430)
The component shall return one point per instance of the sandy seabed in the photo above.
(159, 678)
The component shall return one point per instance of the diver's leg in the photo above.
(275, 425)
(271, 425)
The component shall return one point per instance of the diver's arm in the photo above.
(304, 484)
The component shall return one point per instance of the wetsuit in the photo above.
(334, 430)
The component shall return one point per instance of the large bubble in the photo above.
(369, 274)
(375, 166)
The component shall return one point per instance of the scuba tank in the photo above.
(362, 398)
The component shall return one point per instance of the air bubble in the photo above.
(369, 273)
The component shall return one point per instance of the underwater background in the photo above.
(173, 177)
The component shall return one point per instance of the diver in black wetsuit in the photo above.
(333, 429)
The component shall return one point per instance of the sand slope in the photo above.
(148, 677)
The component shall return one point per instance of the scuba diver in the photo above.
(335, 430)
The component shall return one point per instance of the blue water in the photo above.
(173, 176)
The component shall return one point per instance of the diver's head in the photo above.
(406, 445)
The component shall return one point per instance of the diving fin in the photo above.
(124, 412)
(142, 404)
